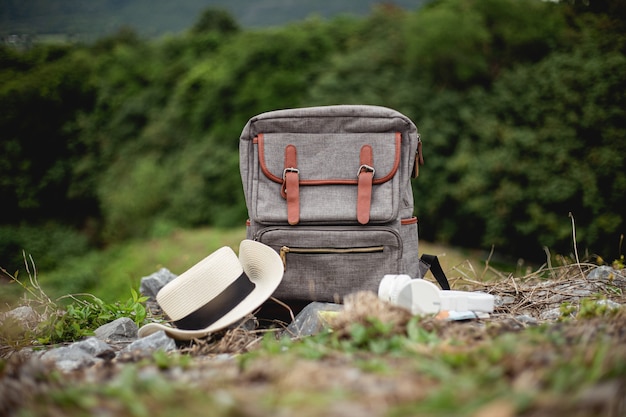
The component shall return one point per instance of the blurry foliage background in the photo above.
(521, 105)
(91, 19)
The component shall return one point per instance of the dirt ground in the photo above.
(238, 373)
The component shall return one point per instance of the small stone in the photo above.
(601, 273)
(526, 320)
(500, 301)
(152, 284)
(552, 314)
(68, 358)
(94, 346)
(151, 343)
(78, 355)
(610, 304)
(120, 330)
(19, 320)
(24, 314)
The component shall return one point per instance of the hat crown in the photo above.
(200, 284)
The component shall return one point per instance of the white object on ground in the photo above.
(423, 297)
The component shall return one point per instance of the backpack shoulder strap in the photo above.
(437, 271)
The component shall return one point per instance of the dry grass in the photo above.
(530, 300)
(479, 368)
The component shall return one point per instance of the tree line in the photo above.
(520, 105)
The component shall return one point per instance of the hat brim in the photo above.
(263, 267)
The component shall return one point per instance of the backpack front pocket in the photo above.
(327, 263)
(341, 178)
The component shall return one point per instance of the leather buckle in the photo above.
(366, 168)
(286, 170)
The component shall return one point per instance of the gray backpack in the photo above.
(329, 188)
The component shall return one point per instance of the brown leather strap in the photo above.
(364, 187)
(291, 185)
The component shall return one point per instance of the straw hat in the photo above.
(218, 291)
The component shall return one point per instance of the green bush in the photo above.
(539, 148)
(43, 92)
(519, 103)
(49, 244)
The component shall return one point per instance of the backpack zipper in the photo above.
(286, 249)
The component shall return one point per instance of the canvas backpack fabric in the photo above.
(329, 189)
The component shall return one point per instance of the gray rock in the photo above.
(120, 330)
(500, 301)
(91, 351)
(604, 273)
(78, 355)
(552, 314)
(610, 304)
(155, 341)
(526, 320)
(21, 318)
(95, 347)
(24, 314)
(152, 284)
(69, 358)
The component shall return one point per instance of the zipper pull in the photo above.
(283, 256)
(419, 158)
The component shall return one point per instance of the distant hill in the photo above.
(153, 18)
